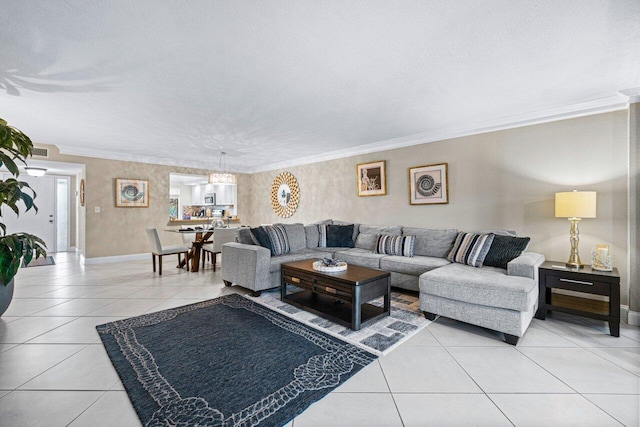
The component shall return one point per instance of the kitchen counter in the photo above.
(177, 222)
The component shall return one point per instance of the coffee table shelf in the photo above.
(333, 309)
(340, 297)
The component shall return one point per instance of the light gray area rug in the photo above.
(379, 338)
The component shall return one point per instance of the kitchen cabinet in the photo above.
(225, 194)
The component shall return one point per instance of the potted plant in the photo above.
(14, 248)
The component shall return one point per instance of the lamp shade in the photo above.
(576, 204)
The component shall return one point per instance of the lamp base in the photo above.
(574, 256)
(574, 265)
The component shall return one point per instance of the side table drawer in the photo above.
(579, 285)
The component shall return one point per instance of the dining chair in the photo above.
(220, 237)
(157, 250)
(187, 238)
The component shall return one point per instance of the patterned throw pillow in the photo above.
(278, 239)
(395, 245)
(335, 236)
(504, 249)
(470, 248)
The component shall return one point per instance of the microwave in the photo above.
(210, 200)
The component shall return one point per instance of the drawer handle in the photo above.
(330, 290)
(295, 280)
(579, 282)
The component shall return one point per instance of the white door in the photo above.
(43, 223)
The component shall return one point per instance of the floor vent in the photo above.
(40, 152)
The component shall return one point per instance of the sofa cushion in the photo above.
(339, 236)
(415, 265)
(489, 286)
(277, 238)
(368, 235)
(246, 237)
(276, 261)
(361, 257)
(296, 236)
(312, 234)
(395, 245)
(431, 242)
(324, 221)
(470, 248)
(504, 249)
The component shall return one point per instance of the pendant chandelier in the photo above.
(222, 177)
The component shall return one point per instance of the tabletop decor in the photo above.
(132, 193)
(285, 195)
(328, 265)
(188, 365)
(371, 179)
(16, 248)
(428, 185)
(601, 258)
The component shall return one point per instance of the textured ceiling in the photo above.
(277, 83)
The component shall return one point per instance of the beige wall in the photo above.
(120, 231)
(505, 179)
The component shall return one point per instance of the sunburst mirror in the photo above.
(285, 195)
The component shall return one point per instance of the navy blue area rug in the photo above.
(226, 362)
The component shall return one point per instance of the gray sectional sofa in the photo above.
(504, 300)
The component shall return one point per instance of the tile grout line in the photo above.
(393, 398)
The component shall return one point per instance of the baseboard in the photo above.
(634, 318)
(624, 313)
(116, 258)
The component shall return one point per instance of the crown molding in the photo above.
(598, 106)
(112, 155)
(620, 101)
(632, 95)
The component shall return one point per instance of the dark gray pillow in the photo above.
(262, 237)
(504, 249)
(335, 236)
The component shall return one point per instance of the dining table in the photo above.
(202, 236)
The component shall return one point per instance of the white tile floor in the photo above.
(565, 370)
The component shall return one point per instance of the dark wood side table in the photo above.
(552, 275)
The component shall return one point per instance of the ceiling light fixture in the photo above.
(222, 177)
(31, 171)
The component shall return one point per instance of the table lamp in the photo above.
(575, 205)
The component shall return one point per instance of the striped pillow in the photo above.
(470, 248)
(278, 239)
(395, 245)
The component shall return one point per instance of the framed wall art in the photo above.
(285, 195)
(428, 185)
(371, 179)
(132, 193)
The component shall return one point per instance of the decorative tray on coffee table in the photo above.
(329, 266)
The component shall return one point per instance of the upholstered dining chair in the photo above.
(187, 238)
(157, 250)
(220, 237)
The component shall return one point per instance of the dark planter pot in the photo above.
(6, 294)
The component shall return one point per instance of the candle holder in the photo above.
(601, 258)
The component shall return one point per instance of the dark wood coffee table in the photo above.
(340, 297)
